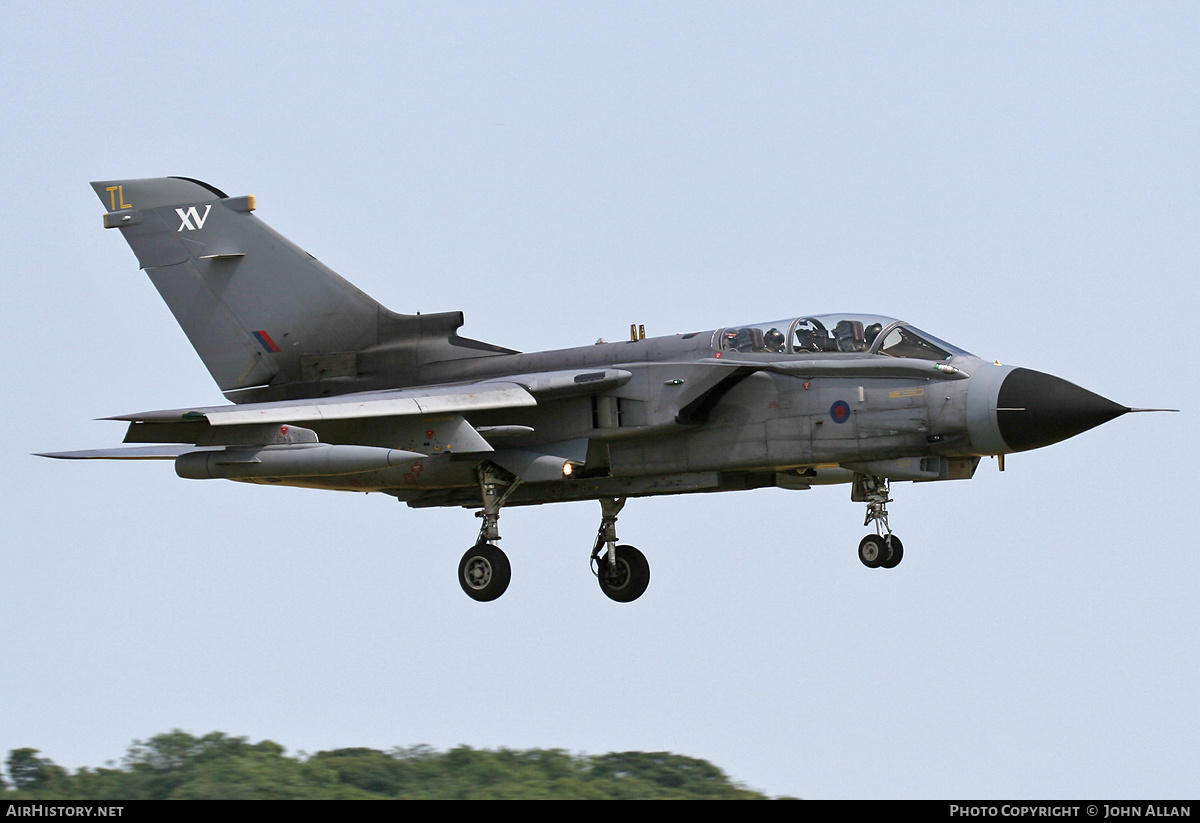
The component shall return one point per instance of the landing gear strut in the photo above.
(622, 571)
(484, 571)
(882, 550)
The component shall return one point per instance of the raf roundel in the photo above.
(840, 411)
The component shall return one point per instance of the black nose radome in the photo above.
(1035, 409)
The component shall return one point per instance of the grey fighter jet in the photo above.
(330, 390)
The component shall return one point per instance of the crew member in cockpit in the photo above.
(872, 331)
(773, 340)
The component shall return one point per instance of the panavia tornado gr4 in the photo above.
(330, 390)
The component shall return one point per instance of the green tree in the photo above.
(178, 765)
(167, 761)
(366, 769)
(30, 772)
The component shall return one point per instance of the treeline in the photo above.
(180, 766)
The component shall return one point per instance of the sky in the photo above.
(1019, 179)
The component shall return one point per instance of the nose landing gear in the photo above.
(882, 550)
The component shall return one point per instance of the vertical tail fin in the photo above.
(252, 304)
(269, 321)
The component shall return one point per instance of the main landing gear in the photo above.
(622, 571)
(484, 571)
(882, 550)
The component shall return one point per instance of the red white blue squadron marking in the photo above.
(266, 342)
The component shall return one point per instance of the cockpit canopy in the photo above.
(828, 333)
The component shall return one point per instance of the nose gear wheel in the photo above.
(882, 550)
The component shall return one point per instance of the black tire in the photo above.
(896, 554)
(484, 572)
(628, 581)
(872, 551)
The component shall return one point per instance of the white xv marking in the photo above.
(190, 216)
